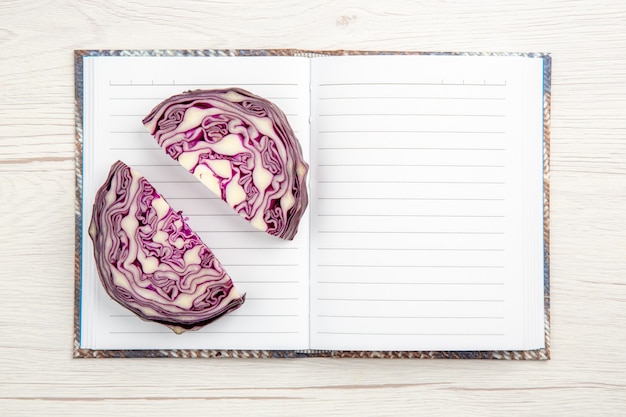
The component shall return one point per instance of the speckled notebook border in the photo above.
(536, 354)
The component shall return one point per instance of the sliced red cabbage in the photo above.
(150, 261)
(241, 147)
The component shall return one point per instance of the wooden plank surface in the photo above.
(586, 374)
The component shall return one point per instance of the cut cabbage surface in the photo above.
(242, 148)
(150, 261)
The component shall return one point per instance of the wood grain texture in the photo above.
(588, 234)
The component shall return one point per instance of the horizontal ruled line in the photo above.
(262, 315)
(223, 231)
(128, 131)
(212, 215)
(136, 98)
(282, 98)
(407, 232)
(206, 332)
(409, 334)
(228, 316)
(196, 198)
(407, 148)
(164, 84)
(413, 317)
(414, 300)
(346, 98)
(137, 148)
(408, 283)
(409, 98)
(413, 215)
(412, 165)
(413, 131)
(265, 282)
(152, 165)
(406, 182)
(190, 181)
(251, 248)
(257, 265)
(471, 84)
(414, 249)
(273, 298)
(410, 266)
(411, 198)
(247, 332)
(161, 98)
(408, 114)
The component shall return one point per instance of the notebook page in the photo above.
(426, 220)
(119, 92)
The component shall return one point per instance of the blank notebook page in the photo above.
(426, 221)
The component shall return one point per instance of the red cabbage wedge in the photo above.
(150, 261)
(241, 147)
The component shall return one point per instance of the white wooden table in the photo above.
(586, 375)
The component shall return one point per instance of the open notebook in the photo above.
(426, 233)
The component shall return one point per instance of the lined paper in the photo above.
(273, 272)
(412, 238)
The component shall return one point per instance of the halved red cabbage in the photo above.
(150, 261)
(241, 147)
